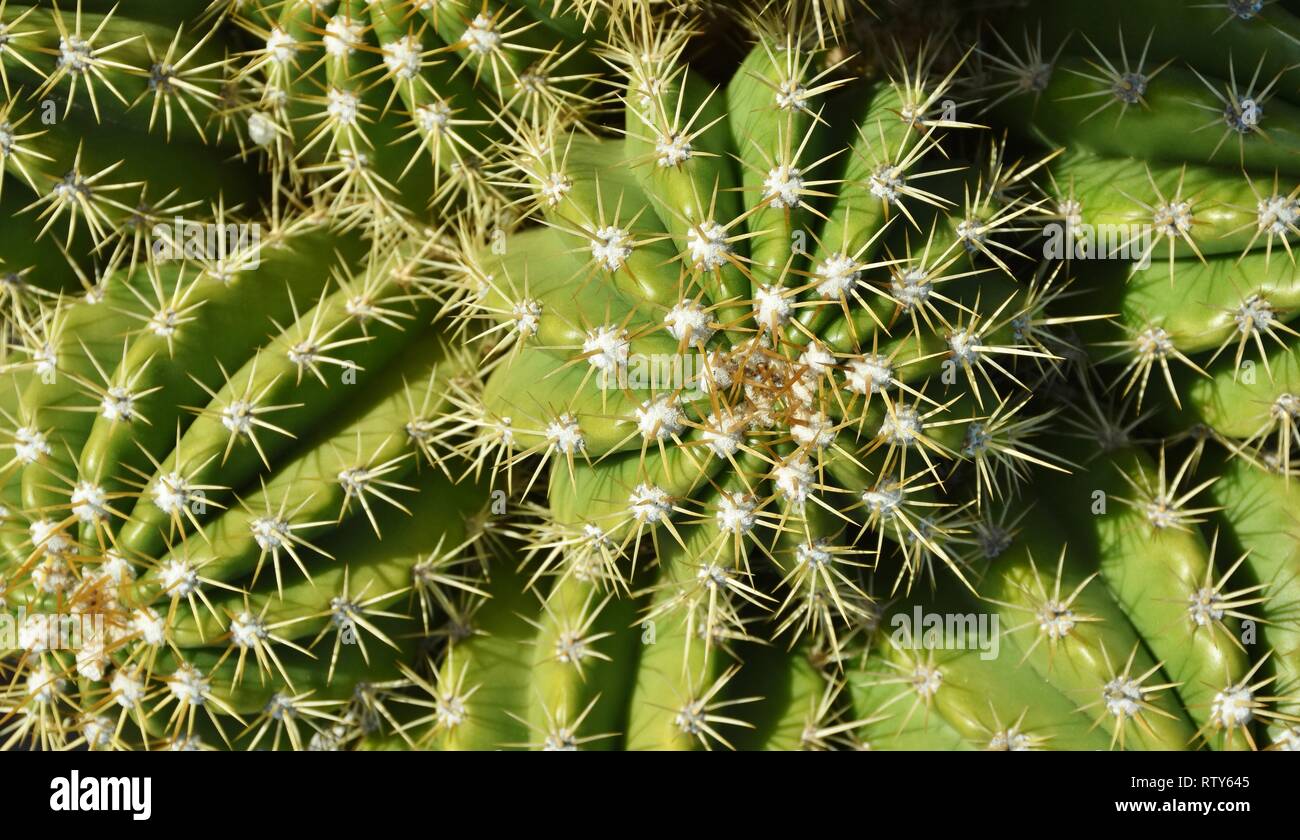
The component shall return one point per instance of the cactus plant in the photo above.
(83, 81)
(240, 501)
(391, 108)
(1173, 199)
(839, 271)
(640, 375)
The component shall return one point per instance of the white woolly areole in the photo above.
(607, 348)
(813, 553)
(1071, 212)
(505, 431)
(814, 431)
(817, 360)
(281, 707)
(325, 742)
(433, 117)
(481, 37)
(1288, 740)
(270, 532)
(886, 182)
(117, 404)
(883, 500)
(836, 275)
(964, 346)
(44, 684)
(672, 150)
(362, 308)
(565, 435)
(261, 129)
(611, 246)
(902, 426)
(972, 233)
(723, 434)
(275, 97)
(248, 630)
(561, 740)
(660, 419)
(791, 95)
(1277, 214)
(46, 360)
(178, 578)
(720, 372)
(1285, 406)
(89, 502)
(188, 686)
(596, 537)
(925, 681)
(171, 492)
(649, 504)
(803, 387)
(1254, 314)
(688, 321)
(402, 58)
(782, 186)
(34, 632)
(342, 107)
(793, 480)
(977, 440)
(280, 46)
(911, 288)
(708, 245)
(116, 567)
(344, 611)
(736, 512)
(772, 307)
(127, 688)
(1055, 619)
(869, 375)
(52, 575)
(98, 730)
(554, 187)
(342, 36)
(49, 537)
(713, 576)
(1154, 342)
(450, 711)
(29, 444)
(527, 314)
(570, 648)
(692, 718)
(149, 625)
(1234, 706)
(354, 480)
(1010, 740)
(1173, 219)
(1205, 606)
(1123, 697)
(238, 417)
(92, 657)
(76, 55)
